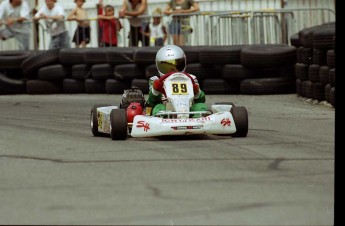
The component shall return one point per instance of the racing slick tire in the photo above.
(213, 55)
(95, 56)
(328, 88)
(94, 122)
(94, 86)
(11, 86)
(73, 86)
(34, 62)
(331, 77)
(53, 72)
(102, 71)
(43, 87)
(142, 84)
(295, 40)
(331, 58)
(113, 86)
(268, 56)
(12, 59)
(240, 116)
(314, 73)
(128, 72)
(123, 55)
(260, 86)
(332, 97)
(323, 74)
(118, 124)
(319, 57)
(81, 71)
(72, 56)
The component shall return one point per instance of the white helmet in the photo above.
(170, 58)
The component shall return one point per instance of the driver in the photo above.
(171, 59)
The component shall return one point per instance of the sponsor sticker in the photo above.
(185, 127)
(225, 122)
(182, 120)
(143, 124)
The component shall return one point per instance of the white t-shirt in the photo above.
(156, 31)
(53, 27)
(7, 11)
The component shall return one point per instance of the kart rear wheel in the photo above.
(94, 119)
(240, 116)
(118, 124)
(224, 103)
(94, 122)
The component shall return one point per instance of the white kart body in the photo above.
(177, 121)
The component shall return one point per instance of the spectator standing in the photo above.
(14, 13)
(138, 26)
(108, 24)
(82, 34)
(157, 31)
(54, 15)
(180, 24)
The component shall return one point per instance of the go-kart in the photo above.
(134, 119)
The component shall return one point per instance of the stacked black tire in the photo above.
(315, 68)
(253, 69)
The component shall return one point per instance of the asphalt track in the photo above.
(52, 171)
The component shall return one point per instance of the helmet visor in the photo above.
(167, 66)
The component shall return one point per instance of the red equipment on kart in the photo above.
(158, 84)
(134, 109)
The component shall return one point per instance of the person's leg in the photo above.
(76, 38)
(134, 36)
(180, 40)
(145, 40)
(64, 40)
(23, 41)
(158, 108)
(198, 107)
(6, 34)
(54, 42)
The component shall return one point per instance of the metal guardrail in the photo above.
(266, 26)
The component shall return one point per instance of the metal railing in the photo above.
(203, 28)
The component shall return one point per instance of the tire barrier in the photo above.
(315, 67)
(246, 69)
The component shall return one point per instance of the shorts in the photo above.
(175, 27)
(82, 34)
(179, 26)
(159, 42)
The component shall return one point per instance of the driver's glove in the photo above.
(157, 87)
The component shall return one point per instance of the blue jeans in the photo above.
(23, 39)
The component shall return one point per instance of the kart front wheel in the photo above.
(118, 124)
(240, 116)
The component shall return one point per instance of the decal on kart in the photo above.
(179, 88)
(225, 122)
(100, 119)
(203, 119)
(185, 127)
(143, 124)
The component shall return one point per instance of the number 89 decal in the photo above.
(179, 88)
